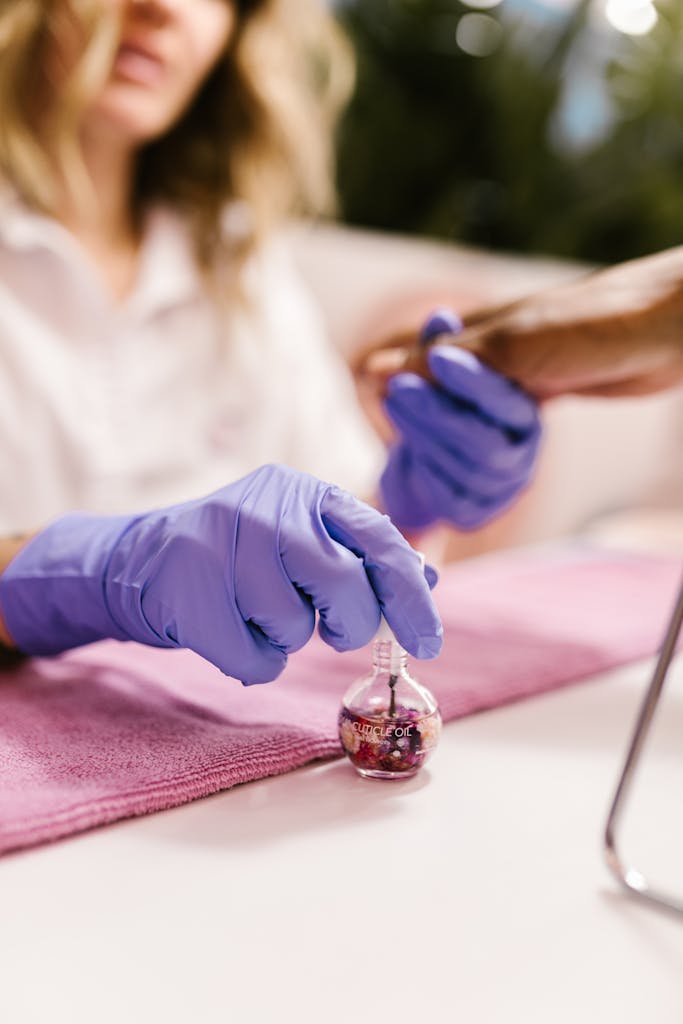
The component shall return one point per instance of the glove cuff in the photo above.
(52, 593)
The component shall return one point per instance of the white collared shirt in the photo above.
(116, 408)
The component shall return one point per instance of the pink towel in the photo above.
(116, 730)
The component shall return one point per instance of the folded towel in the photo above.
(116, 730)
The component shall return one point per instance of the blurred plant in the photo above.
(441, 142)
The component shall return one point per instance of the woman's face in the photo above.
(167, 48)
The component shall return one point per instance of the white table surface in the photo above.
(475, 892)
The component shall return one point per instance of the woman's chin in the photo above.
(130, 124)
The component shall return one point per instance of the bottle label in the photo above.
(367, 731)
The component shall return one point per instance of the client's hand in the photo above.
(236, 576)
(614, 332)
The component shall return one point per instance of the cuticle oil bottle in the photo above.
(389, 724)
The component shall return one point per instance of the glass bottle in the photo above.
(389, 723)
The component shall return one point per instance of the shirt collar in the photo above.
(23, 228)
(168, 274)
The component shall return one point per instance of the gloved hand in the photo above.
(236, 576)
(467, 443)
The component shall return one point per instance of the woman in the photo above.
(156, 343)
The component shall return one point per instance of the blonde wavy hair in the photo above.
(260, 131)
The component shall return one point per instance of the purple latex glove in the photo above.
(236, 576)
(467, 444)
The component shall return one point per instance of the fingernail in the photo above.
(384, 362)
(440, 321)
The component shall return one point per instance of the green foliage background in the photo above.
(440, 143)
